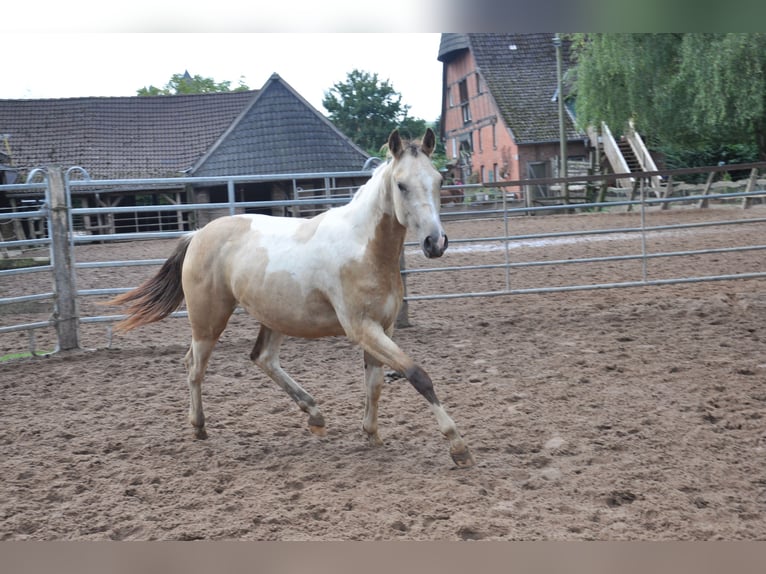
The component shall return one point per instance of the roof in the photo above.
(520, 73)
(451, 42)
(125, 137)
(280, 132)
(230, 133)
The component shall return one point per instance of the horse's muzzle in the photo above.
(435, 246)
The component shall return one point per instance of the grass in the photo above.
(24, 355)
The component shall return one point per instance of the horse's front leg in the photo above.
(373, 339)
(373, 384)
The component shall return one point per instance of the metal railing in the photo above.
(502, 245)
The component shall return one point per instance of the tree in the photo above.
(367, 110)
(687, 89)
(187, 84)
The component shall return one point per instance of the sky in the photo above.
(77, 64)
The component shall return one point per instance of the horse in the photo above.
(333, 274)
(451, 196)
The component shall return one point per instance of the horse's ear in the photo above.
(429, 142)
(395, 146)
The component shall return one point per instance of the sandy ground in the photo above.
(620, 414)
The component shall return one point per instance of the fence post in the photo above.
(65, 299)
(704, 201)
(748, 201)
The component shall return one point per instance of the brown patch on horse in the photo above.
(218, 234)
(309, 315)
(157, 297)
(376, 278)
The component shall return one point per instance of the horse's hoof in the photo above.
(462, 459)
(374, 440)
(318, 430)
(200, 433)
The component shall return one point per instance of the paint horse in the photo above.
(334, 274)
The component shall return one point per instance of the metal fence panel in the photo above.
(495, 253)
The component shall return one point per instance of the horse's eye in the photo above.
(402, 187)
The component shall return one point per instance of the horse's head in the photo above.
(416, 191)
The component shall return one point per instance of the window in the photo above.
(466, 143)
(494, 136)
(463, 91)
(466, 113)
(478, 83)
(493, 174)
(478, 137)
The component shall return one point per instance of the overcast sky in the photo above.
(117, 64)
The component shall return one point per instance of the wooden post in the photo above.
(601, 198)
(748, 201)
(704, 201)
(18, 229)
(668, 193)
(634, 192)
(65, 294)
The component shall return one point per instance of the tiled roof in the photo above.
(126, 137)
(520, 73)
(280, 132)
(272, 130)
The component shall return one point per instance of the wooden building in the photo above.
(500, 115)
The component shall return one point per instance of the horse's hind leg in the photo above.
(196, 361)
(208, 320)
(265, 354)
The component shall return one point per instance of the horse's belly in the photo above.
(293, 312)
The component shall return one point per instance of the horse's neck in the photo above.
(374, 197)
(372, 207)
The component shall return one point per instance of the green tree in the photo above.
(686, 89)
(187, 84)
(367, 109)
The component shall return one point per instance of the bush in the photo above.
(710, 155)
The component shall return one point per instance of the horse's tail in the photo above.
(155, 298)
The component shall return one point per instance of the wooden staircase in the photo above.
(627, 155)
(630, 157)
